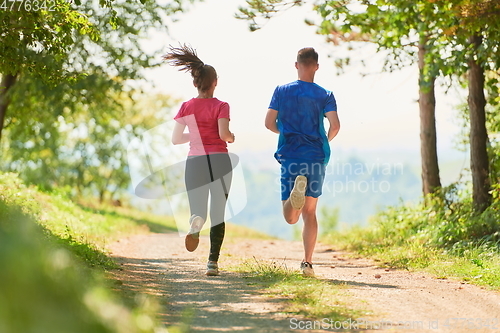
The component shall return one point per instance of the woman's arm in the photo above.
(333, 118)
(224, 132)
(178, 135)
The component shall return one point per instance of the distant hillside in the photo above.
(358, 184)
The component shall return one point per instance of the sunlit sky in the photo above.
(377, 112)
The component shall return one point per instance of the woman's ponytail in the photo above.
(186, 58)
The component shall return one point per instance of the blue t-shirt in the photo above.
(301, 110)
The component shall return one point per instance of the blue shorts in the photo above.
(314, 172)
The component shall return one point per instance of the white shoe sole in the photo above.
(309, 272)
(212, 271)
(193, 237)
(298, 193)
(196, 224)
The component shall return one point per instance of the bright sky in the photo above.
(377, 112)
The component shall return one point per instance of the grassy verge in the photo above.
(309, 298)
(52, 253)
(56, 274)
(444, 237)
(83, 229)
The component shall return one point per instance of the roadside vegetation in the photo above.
(445, 236)
(455, 231)
(57, 275)
(54, 275)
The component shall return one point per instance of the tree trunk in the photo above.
(8, 81)
(101, 195)
(479, 162)
(428, 140)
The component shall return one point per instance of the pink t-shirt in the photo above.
(201, 116)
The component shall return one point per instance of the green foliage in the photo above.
(62, 41)
(328, 221)
(444, 235)
(401, 27)
(493, 125)
(446, 220)
(38, 41)
(265, 9)
(86, 146)
(73, 106)
(80, 228)
(44, 287)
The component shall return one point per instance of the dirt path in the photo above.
(400, 301)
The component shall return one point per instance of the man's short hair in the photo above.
(307, 56)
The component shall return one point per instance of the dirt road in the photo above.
(398, 301)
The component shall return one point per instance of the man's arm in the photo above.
(271, 117)
(333, 118)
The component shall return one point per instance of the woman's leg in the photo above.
(220, 165)
(197, 180)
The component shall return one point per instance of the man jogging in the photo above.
(296, 112)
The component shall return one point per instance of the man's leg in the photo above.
(291, 214)
(310, 230)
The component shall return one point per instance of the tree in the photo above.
(401, 27)
(37, 42)
(493, 125)
(479, 22)
(472, 31)
(456, 38)
(70, 40)
(85, 148)
(481, 184)
(8, 81)
(75, 77)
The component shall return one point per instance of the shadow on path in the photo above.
(188, 297)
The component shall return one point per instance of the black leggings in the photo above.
(210, 174)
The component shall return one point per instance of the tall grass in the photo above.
(444, 236)
(52, 259)
(81, 227)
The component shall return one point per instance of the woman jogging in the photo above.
(208, 166)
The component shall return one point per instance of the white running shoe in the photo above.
(307, 269)
(298, 193)
(212, 268)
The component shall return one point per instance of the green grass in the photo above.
(310, 298)
(83, 229)
(46, 288)
(476, 265)
(235, 232)
(445, 237)
(53, 258)
(56, 273)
